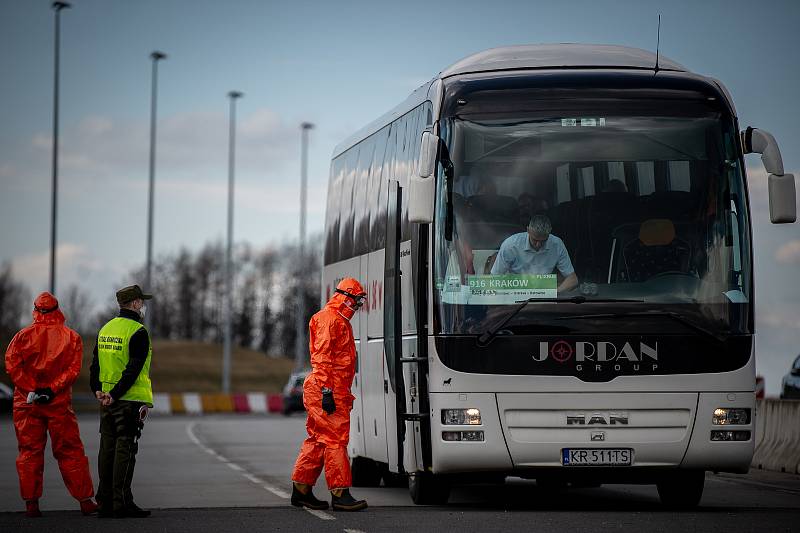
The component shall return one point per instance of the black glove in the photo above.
(45, 395)
(328, 405)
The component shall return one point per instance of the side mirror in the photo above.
(422, 188)
(427, 154)
(782, 202)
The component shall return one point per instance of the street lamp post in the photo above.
(228, 311)
(155, 57)
(57, 7)
(300, 338)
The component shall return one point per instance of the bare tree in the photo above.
(14, 300)
(76, 306)
(188, 289)
(244, 322)
(185, 296)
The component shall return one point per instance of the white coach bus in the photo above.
(643, 372)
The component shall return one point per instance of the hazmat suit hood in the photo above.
(46, 311)
(340, 302)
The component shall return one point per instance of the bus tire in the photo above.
(681, 489)
(365, 472)
(428, 489)
(392, 479)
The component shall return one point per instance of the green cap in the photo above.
(131, 293)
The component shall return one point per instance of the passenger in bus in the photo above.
(328, 401)
(536, 251)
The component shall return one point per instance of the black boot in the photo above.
(346, 502)
(307, 500)
(132, 511)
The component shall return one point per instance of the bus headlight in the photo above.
(461, 417)
(726, 416)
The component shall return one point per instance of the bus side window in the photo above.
(332, 211)
(376, 202)
(400, 170)
(414, 129)
(346, 205)
(646, 178)
(360, 207)
(679, 176)
(381, 202)
(563, 192)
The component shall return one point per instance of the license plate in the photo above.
(596, 456)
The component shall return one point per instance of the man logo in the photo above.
(597, 419)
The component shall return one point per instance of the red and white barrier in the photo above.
(193, 403)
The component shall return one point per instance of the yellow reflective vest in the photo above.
(113, 356)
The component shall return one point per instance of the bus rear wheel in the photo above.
(392, 479)
(365, 472)
(682, 489)
(428, 489)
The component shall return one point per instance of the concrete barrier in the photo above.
(193, 403)
(162, 404)
(777, 439)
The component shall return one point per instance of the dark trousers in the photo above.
(120, 429)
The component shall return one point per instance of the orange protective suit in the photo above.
(47, 354)
(333, 365)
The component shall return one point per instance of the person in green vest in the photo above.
(120, 379)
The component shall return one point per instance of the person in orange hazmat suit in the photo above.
(43, 361)
(328, 401)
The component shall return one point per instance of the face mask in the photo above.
(143, 311)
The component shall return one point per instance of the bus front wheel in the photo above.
(682, 489)
(428, 489)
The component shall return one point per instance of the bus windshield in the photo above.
(636, 208)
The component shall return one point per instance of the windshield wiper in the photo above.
(487, 336)
(670, 314)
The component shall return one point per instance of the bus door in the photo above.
(371, 375)
(402, 413)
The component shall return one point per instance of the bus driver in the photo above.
(536, 251)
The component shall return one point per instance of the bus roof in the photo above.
(556, 56)
(522, 57)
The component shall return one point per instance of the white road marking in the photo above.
(280, 493)
(322, 515)
(353, 531)
(252, 478)
(277, 492)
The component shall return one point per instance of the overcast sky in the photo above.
(338, 65)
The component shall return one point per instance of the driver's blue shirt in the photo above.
(517, 256)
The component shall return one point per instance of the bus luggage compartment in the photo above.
(539, 427)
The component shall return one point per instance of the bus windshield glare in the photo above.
(643, 204)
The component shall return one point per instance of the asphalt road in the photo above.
(231, 473)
